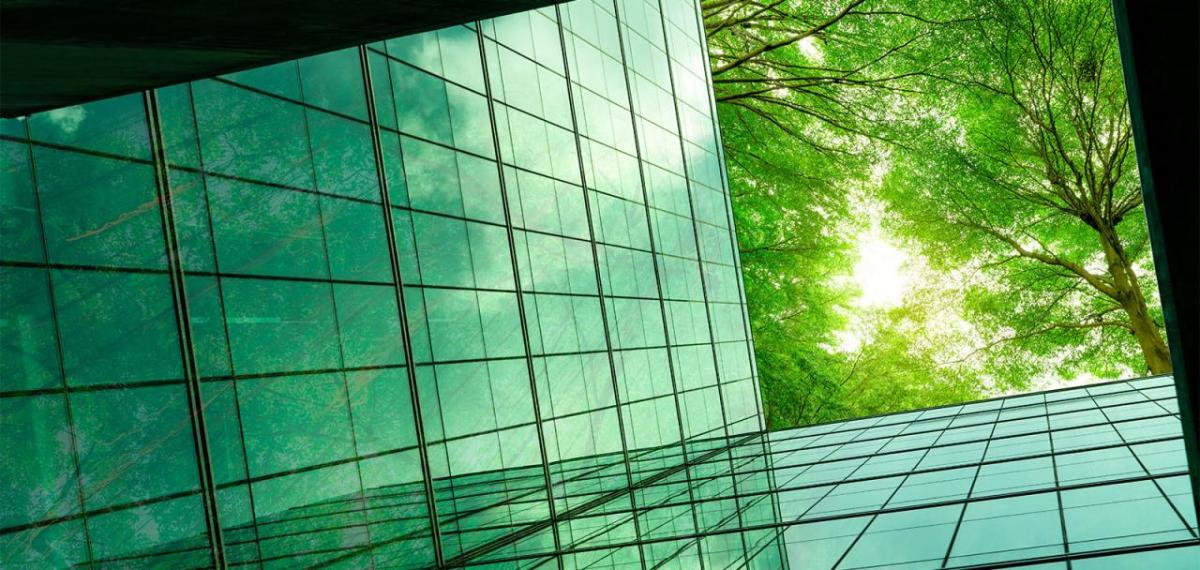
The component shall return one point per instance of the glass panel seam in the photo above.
(190, 367)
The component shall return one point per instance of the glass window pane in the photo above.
(134, 444)
(1007, 529)
(1111, 516)
(28, 347)
(907, 539)
(118, 327)
(99, 211)
(294, 421)
(280, 326)
(42, 484)
(20, 229)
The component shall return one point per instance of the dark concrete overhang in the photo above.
(1160, 53)
(55, 53)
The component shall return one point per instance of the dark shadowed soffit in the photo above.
(55, 53)
(1160, 51)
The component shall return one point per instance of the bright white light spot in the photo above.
(809, 47)
(879, 272)
(848, 341)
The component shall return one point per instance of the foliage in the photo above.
(997, 138)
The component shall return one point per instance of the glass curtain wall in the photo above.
(352, 289)
(471, 298)
(1086, 478)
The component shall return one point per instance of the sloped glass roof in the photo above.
(1094, 476)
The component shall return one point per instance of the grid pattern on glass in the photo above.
(975, 485)
(492, 254)
(480, 280)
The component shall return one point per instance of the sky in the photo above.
(882, 274)
(881, 277)
(885, 274)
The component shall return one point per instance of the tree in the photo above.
(805, 67)
(1000, 132)
(799, 87)
(1029, 170)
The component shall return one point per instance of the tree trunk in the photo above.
(1133, 302)
(1154, 350)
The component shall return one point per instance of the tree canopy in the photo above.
(990, 141)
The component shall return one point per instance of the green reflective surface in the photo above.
(472, 296)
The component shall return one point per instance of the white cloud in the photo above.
(67, 119)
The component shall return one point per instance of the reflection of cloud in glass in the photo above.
(68, 119)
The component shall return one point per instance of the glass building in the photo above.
(472, 298)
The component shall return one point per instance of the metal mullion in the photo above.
(751, 354)
(450, 524)
(1010, 436)
(992, 399)
(883, 506)
(612, 367)
(62, 368)
(584, 511)
(1174, 396)
(876, 512)
(1085, 555)
(935, 445)
(269, 184)
(542, 341)
(191, 373)
(692, 214)
(989, 565)
(393, 59)
(337, 325)
(683, 155)
(300, 102)
(86, 388)
(583, 475)
(918, 506)
(437, 387)
(322, 529)
(1062, 517)
(970, 491)
(407, 212)
(521, 315)
(779, 517)
(83, 514)
(237, 402)
(29, 140)
(775, 541)
(574, 512)
(1146, 470)
(297, 373)
(850, 480)
(699, 535)
(307, 468)
(514, 500)
(649, 225)
(675, 556)
(637, 145)
(82, 267)
(737, 264)
(402, 308)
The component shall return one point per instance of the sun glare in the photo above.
(879, 273)
(882, 281)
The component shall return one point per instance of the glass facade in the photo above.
(497, 248)
(472, 298)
